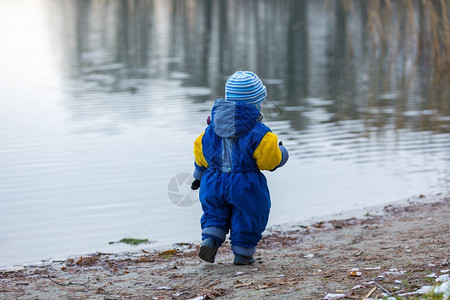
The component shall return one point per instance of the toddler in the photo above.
(229, 157)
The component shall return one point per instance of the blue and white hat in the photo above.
(245, 86)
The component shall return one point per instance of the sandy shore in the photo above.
(399, 249)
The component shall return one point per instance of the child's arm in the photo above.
(200, 162)
(270, 154)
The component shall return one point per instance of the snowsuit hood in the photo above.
(232, 119)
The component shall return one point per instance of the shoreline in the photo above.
(360, 212)
(398, 244)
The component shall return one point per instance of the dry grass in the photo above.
(418, 29)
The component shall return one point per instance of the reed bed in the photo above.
(413, 29)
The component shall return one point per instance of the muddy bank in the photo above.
(400, 251)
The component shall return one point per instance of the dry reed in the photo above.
(419, 29)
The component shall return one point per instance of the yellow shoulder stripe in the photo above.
(198, 152)
(267, 154)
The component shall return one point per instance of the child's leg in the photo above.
(251, 206)
(247, 229)
(216, 217)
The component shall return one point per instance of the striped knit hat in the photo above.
(245, 86)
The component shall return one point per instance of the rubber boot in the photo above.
(243, 260)
(208, 250)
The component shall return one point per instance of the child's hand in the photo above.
(284, 156)
(195, 184)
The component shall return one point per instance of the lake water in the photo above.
(100, 102)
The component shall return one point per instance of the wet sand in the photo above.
(399, 248)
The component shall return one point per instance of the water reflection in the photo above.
(301, 49)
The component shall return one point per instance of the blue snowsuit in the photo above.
(233, 192)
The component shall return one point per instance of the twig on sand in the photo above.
(381, 287)
(66, 284)
(370, 293)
